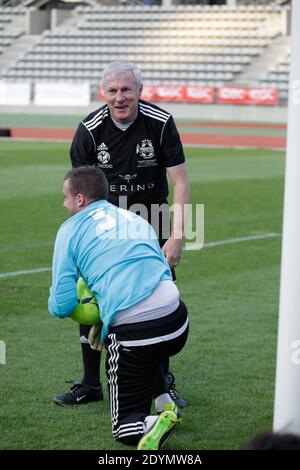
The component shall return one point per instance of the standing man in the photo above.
(137, 146)
(118, 255)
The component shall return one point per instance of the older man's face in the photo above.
(122, 95)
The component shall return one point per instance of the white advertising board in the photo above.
(14, 93)
(61, 94)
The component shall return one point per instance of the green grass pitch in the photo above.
(227, 369)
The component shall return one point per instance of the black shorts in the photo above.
(133, 367)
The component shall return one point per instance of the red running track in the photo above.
(219, 140)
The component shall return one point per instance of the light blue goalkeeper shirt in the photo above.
(117, 254)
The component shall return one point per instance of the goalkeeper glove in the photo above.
(94, 337)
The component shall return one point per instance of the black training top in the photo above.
(134, 160)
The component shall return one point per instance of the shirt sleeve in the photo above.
(82, 148)
(172, 151)
(63, 292)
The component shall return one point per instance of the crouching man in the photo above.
(144, 321)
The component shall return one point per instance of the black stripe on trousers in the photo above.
(133, 372)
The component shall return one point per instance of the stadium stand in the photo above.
(182, 44)
(278, 77)
(9, 25)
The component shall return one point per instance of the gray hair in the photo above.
(119, 68)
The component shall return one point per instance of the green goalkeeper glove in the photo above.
(94, 337)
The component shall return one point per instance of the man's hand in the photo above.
(94, 337)
(172, 251)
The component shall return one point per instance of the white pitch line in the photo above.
(24, 272)
(192, 247)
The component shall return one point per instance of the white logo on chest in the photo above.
(146, 149)
(103, 155)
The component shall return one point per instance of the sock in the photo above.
(159, 382)
(91, 359)
(161, 401)
(165, 366)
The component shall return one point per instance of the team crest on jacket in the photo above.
(103, 156)
(146, 149)
(147, 152)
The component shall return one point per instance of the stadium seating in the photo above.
(278, 77)
(7, 19)
(188, 44)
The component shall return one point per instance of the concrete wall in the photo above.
(227, 112)
(37, 21)
(276, 114)
(58, 16)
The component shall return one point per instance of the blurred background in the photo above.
(222, 69)
(198, 55)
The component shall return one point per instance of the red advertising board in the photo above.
(244, 95)
(203, 94)
(179, 93)
(199, 94)
(163, 93)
